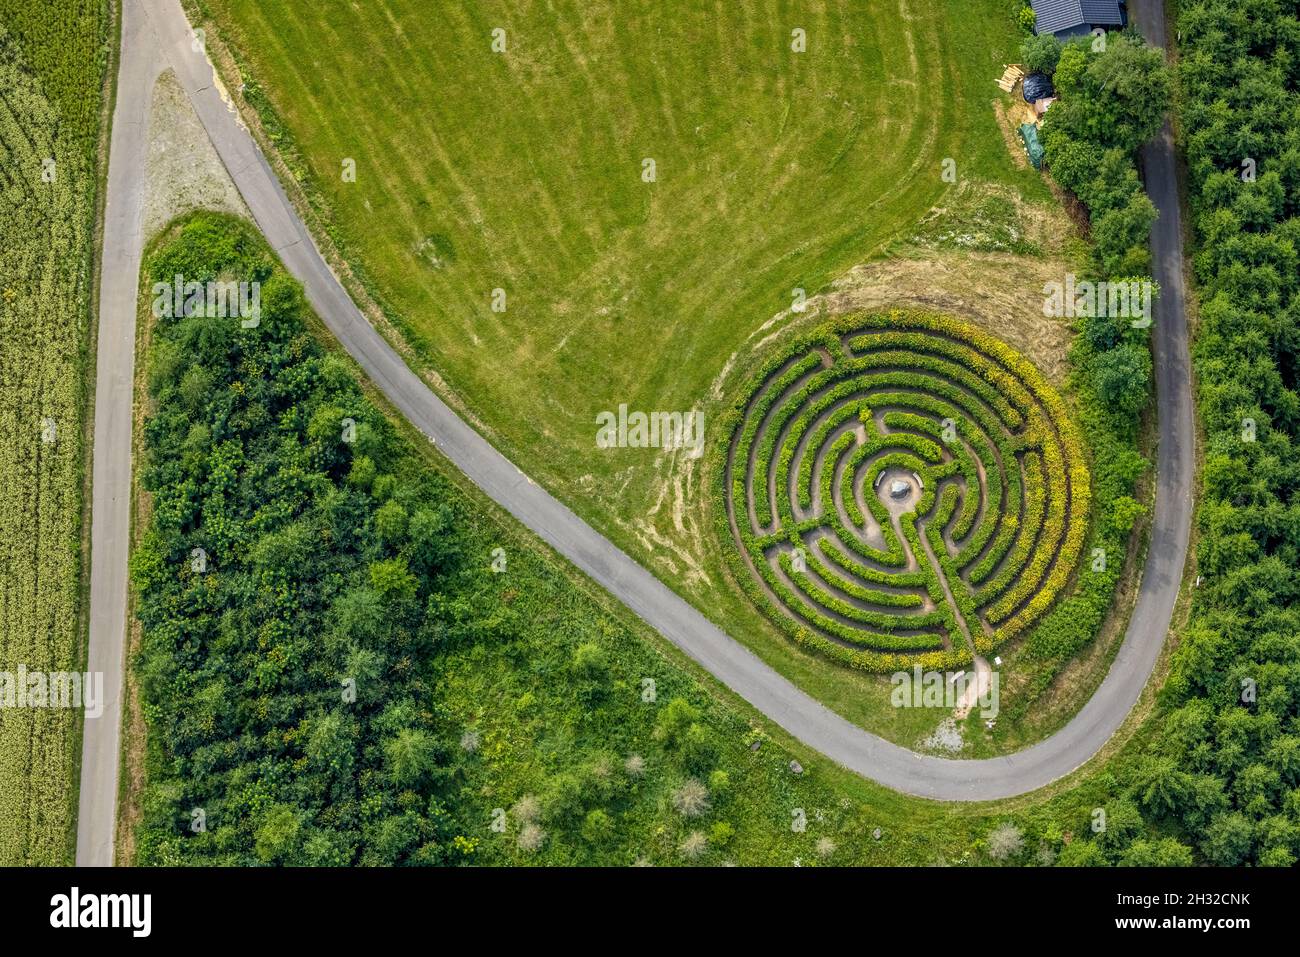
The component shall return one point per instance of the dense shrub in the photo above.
(1222, 774)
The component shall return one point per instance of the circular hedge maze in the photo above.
(903, 489)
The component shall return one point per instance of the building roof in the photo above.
(1056, 15)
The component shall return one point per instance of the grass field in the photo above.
(51, 75)
(524, 171)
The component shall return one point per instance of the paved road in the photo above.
(114, 381)
(650, 599)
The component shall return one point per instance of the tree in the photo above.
(691, 799)
(694, 845)
(673, 721)
(358, 616)
(527, 809)
(1114, 184)
(278, 835)
(1208, 799)
(719, 783)
(1122, 379)
(390, 523)
(1277, 856)
(721, 833)
(362, 473)
(1132, 86)
(1071, 65)
(1114, 97)
(410, 755)
(323, 848)
(531, 838)
(1027, 18)
(1227, 841)
(1074, 162)
(1081, 854)
(1162, 786)
(196, 388)
(1123, 822)
(330, 747)
(597, 827)
(1102, 332)
(564, 799)
(391, 838)
(699, 750)
(393, 580)
(1120, 237)
(1166, 852)
(1039, 53)
(1005, 841)
(432, 540)
(1124, 512)
(1284, 757)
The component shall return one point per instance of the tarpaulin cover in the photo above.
(1029, 133)
(1037, 86)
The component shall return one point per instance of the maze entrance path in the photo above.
(903, 488)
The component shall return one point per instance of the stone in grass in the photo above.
(756, 745)
(876, 834)
(796, 767)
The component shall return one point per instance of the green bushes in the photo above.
(1111, 101)
(1217, 774)
(1040, 54)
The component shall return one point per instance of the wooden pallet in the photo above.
(1010, 77)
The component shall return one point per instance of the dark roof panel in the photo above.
(1101, 12)
(1054, 15)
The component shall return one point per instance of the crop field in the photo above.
(904, 489)
(51, 70)
(564, 209)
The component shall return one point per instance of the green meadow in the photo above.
(565, 207)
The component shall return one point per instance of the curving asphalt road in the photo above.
(728, 660)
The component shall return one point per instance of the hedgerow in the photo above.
(948, 397)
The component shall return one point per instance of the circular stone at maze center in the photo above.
(898, 490)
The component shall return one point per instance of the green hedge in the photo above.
(920, 369)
